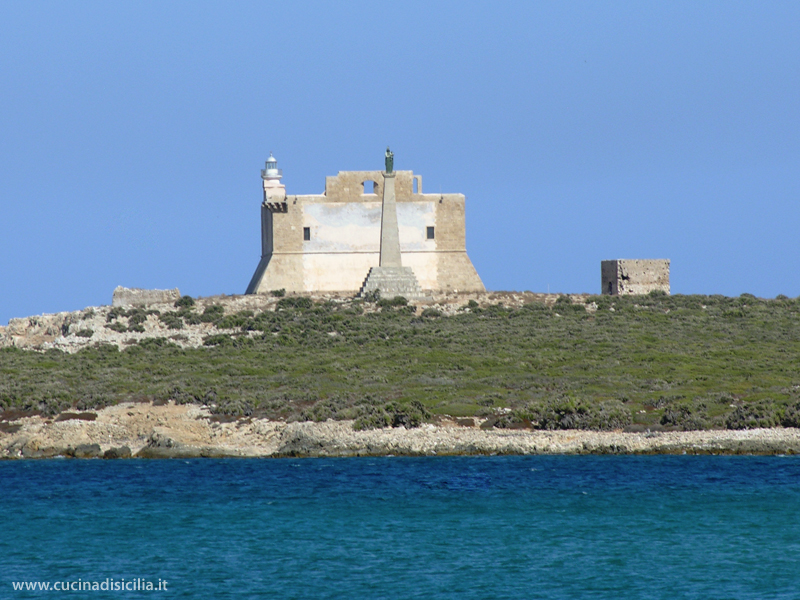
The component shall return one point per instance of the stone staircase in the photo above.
(391, 282)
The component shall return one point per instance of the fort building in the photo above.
(634, 276)
(330, 242)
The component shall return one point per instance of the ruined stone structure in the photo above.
(123, 296)
(331, 241)
(634, 276)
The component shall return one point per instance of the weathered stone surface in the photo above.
(86, 451)
(391, 282)
(390, 234)
(121, 452)
(34, 450)
(344, 228)
(634, 276)
(123, 296)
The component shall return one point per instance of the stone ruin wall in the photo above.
(634, 276)
(139, 297)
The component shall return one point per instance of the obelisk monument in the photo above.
(390, 232)
(390, 278)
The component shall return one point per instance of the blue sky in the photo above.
(132, 135)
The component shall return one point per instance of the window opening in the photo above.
(369, 187)
(306, 234)
(430, 233)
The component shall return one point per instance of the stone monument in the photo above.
(390, 278)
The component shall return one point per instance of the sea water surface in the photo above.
(459, 527)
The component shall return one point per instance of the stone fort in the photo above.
(332, 242)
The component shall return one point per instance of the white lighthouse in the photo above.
(274, 190)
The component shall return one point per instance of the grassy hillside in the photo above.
(683, 362)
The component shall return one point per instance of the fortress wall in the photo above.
(336, 272)
(287, 228)
(276, 272)
(344, 226)
(450, 222)
(455, 272)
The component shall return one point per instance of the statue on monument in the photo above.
(389, 160)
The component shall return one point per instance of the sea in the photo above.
(599, 527)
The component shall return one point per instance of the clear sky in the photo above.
(132, 135)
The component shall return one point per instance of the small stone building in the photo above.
(634, 276)
(330, 241)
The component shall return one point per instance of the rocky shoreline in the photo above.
(143, 430)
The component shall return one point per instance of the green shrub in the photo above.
(393, 303)
(278, 293)
(115, 313)
(184, 302)
(570, 413)
(753, 415)
(117, 326)
(610, 415)
(296, 302)
(566, 308)
(368, 412)
(212, 313)
(157, 342)
(172, 320)
(372, 296)
(686, 415)
(791, 416)
(431, 313)
(191, 318)
(84, 333)
(221, 339)
(54, 404)
(534, 307)
(137, 316)
(237, 408)
(242, 319)
(94, 401)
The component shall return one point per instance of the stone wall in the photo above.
(344, 228)
(138, 297)
(634, 276)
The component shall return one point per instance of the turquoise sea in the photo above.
(463, 527)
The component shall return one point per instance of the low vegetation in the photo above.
(643, 362)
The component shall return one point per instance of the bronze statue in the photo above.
(389, 160)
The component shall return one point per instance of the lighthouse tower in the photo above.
(274, 202)
(274, 190)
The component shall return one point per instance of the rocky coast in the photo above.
(144, 430)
